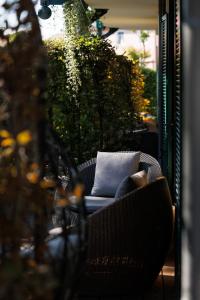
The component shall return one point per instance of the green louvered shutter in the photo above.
(178, 107)
(170, 110)
(163, 93)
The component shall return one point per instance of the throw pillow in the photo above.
(139, 179)
(125, 187)
(131, 183)
(111, 168)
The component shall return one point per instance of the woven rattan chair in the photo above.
(87, 174)
(147, 163)
(128, 241)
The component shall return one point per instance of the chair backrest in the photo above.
(128, 241)
(147, 163)
(151, 166)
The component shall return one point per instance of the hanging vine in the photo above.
(76, 24)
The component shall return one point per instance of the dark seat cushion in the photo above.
(93, 203)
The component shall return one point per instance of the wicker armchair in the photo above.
(147, 163)
(87, 174)
(128, 241)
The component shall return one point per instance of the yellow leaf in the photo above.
(24, 137)
(34, 166)
(4, 134)
(32, 177)
(78, 191)
(62, 202)
(47, 183)
(7, 152)
(7, 142)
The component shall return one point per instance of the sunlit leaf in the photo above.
(47, 183)
(34, 166)
(7, 152)
(78, 191)
(24, 137)
(7, 142)
(32, 177)
(62, 202)
(4, 133)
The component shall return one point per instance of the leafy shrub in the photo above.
(150, 89)
(100, 115)
(148, 100)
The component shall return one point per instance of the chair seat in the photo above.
(93, 203)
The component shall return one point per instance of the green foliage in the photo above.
(138, 55)
(76, 24)
(150, 89)
(133, 54)
(144, 35)
(147, 101)
(90, 99)
(97, 114)
(76, 19)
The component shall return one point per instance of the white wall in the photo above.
(131, 39)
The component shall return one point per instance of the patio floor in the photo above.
(164, 288)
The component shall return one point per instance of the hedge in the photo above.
(99, 115)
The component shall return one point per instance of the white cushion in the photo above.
(111, 168)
